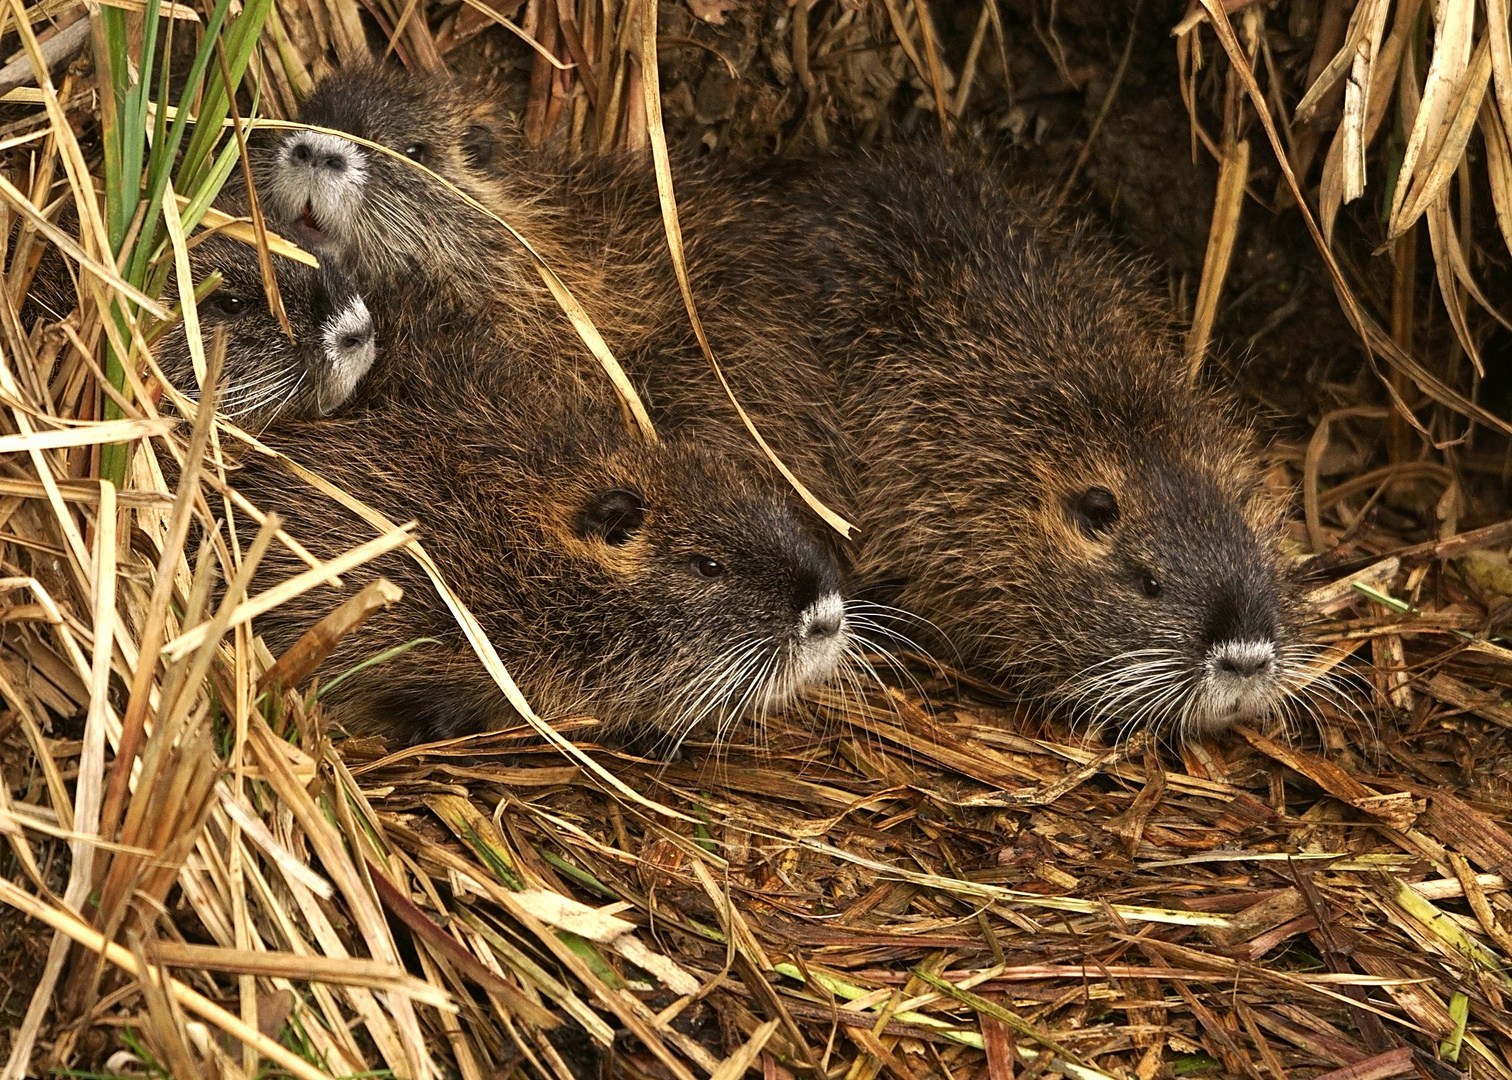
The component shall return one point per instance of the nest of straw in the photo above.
(201, 878)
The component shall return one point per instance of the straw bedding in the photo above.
(916, 880)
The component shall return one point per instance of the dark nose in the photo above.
(1246, 659)
(306, 154)
(823, 626)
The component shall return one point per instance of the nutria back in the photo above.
(656, 587)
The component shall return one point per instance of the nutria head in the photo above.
(655, 587)
(379, 217)
(1152, 563)
(267, 376)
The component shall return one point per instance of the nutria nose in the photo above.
(305, 152)
(1245, 659)
(825, 618)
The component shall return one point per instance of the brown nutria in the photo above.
(1029, 466)
(266, 376)
(398, 231)
(654, 586)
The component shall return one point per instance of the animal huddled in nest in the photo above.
(991, 393)
(657, 587)
(266, 375)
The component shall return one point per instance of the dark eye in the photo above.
(708, 568)
(230, 305)
(1095, 511)
(417, 151)
(1149, 586)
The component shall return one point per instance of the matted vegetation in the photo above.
(202, 878)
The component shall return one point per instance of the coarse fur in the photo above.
(266, 377)
(1031, 471)
(393, 227)
(655, 587)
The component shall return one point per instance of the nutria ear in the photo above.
(613, 516)
(478, 145)
(1095, 511)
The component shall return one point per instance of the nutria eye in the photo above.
(230, 305)
(416, 151)
(1149, 586)
(1095, 511)
(708, 568)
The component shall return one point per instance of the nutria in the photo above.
(654, 586)
(1029, 467)
(266, 376)
(400, 233)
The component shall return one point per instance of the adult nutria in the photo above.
(654, 586)
(1031, 469)
(266, 376)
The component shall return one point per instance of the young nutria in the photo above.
(266, 376)
(652, 586)
(399, 232)
(1030, 468)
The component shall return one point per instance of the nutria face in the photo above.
(267, 376)
(722, 605)
(1166, 593)
(379, 217)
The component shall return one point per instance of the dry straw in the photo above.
(201, 883)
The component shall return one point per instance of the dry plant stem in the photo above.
(1228, 202)
(1370, 335)
(162, 590)
(89, 785)
(651, 97)
(189, 999)
(306, 654)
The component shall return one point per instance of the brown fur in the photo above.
(595, 605)
(266, 377)
(961, 369)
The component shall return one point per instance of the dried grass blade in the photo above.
(1228, 202)
(189, 999)
(404, 1047)
(1363, 22)
(735, 1066)
(1498, 168)
(1450, 147)
(243, 231)
(1357, 96)
(297, 585)
(1453, 22)
(1501, 57)
(1445, 247)
(651, 93)
(88, 434)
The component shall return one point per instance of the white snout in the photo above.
(1241, 682)
(350, 348)
(320, 174)
(822, 639)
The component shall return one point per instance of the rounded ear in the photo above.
(1095, 511)
(613, 516)
(478, 145)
